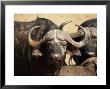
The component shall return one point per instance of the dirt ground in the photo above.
(58, 19)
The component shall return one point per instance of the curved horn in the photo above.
(32, 42)
(81, 43)
(63, 24)
(79, 33)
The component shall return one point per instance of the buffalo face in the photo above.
(54, 44)
(54, 50)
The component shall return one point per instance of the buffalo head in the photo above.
(54, 44)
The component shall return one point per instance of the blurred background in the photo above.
(58, 19)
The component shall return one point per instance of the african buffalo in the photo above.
(90, 48)
(40, 46)
(22, 49)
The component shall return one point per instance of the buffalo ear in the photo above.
(77, 52)
(36, 53)
(73, 51)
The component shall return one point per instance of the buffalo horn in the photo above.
(63, 24)
(31, 41)
(80, 43)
